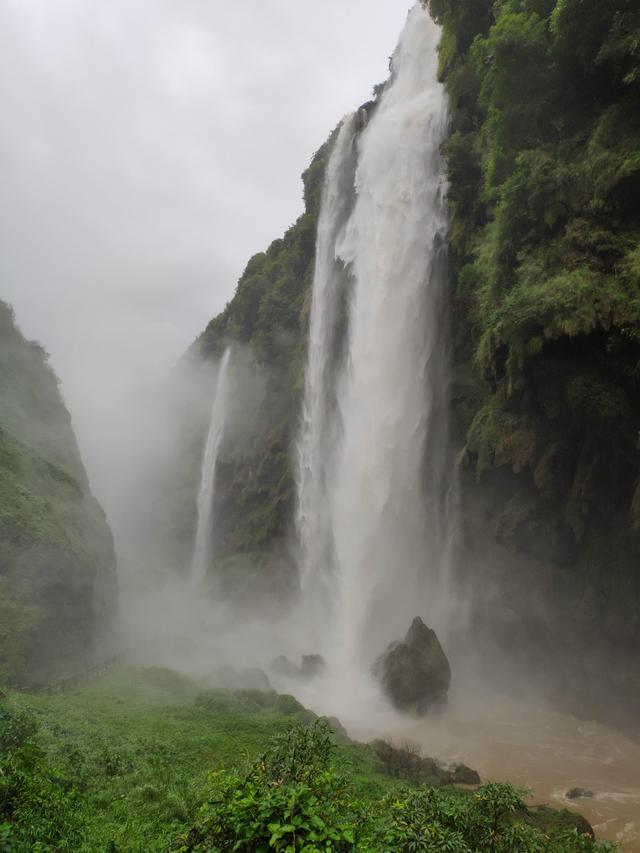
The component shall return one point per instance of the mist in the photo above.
(148, 150)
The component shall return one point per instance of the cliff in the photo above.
(266, 321)
(57, 565)
(544, 179)
(544, 172)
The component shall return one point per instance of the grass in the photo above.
(139, 750)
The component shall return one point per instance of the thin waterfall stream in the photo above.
(206, 493)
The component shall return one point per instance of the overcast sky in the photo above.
(147, 149)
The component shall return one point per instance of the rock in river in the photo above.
(415, 674)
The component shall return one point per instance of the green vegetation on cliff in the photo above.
(544, 172)
(57, 567)
(544, 167)
(268, 315)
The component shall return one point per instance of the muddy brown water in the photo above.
(542, 750)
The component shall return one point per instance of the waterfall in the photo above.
(317, 435)
(202, 544)
(374, 461)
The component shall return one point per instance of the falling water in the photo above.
(202, 545)
(317, 437)
(382, 492)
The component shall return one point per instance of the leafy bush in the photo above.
(36, 803)
(292, 798)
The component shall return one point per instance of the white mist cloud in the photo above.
(147, 149)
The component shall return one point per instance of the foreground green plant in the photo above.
(36, 802)
(292, 798)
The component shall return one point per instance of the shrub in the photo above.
(36, 807)
(292, 798)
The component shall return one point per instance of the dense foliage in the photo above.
(36, 810)
(544, 171)
(57, 565)
(544, 165)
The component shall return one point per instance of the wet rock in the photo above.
(555, 822)
(406, 762)
(312, 665)
(577, 793)
(463, 775)
(415, 674)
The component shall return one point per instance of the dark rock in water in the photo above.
(312, 665)
(463, 775)
(552, 821)
(415, 674)
(406, 762)
(576, 793)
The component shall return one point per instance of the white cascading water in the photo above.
(373, 500)
(206, 493)
(318, 429)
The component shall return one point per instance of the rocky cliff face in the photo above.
(267, 321)
(544, 170)
(544, 182)
(57, 565)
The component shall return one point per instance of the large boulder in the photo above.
(415, 674)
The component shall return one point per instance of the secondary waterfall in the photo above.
(202, 544)
(373, 453)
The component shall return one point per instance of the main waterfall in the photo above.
(319, 428)
(202, 544)
(373, 453)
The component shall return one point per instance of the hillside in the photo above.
(57, 565)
